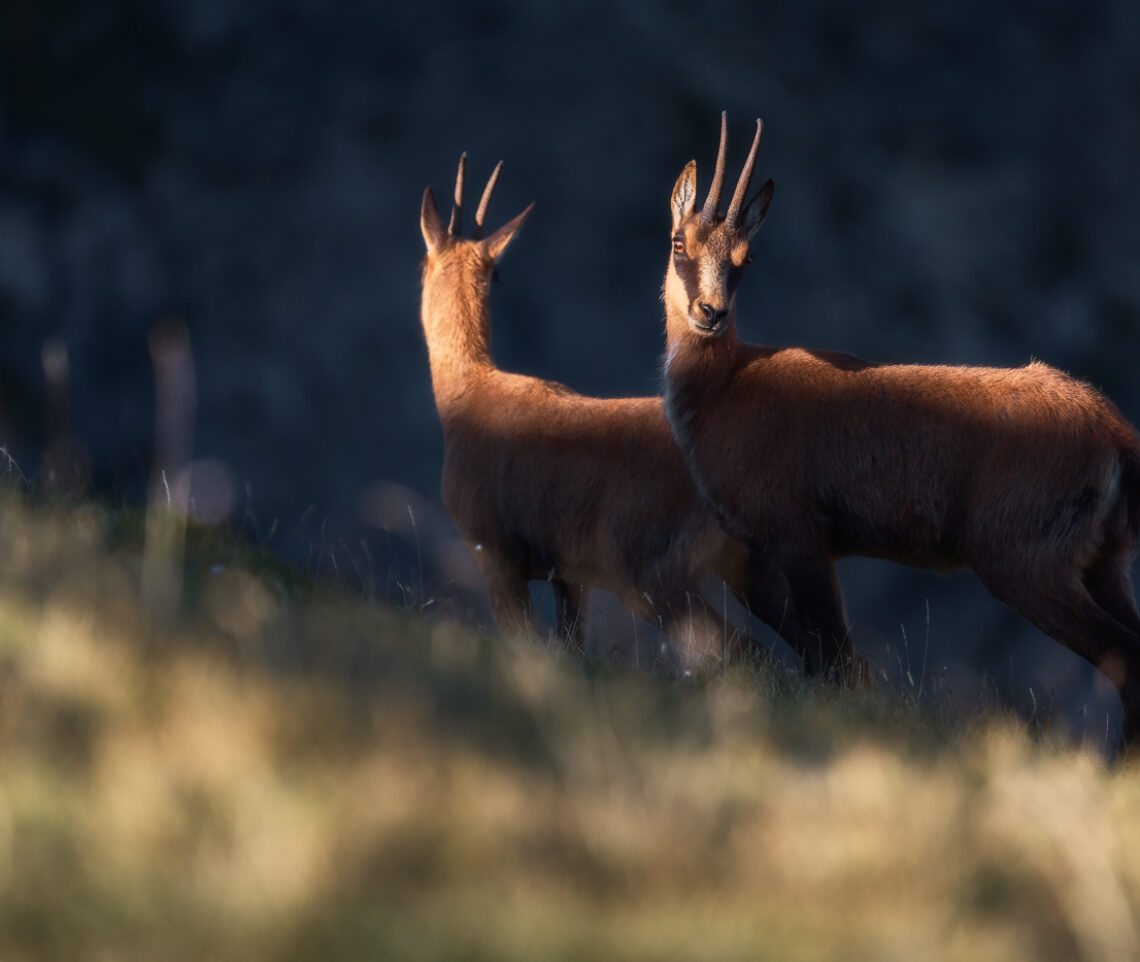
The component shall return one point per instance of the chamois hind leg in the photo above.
(698, 630)
(649, 607)
(1109, 581)
(570, 603)
(679, 610)
(1065, 609)
(760, 586)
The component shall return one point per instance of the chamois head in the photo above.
(710, 249)
(447, 243)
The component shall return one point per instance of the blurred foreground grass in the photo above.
(283, 772)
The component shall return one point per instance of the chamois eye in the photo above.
(678, 245)
(749, 259)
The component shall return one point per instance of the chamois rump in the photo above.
(1026, 475)
(546, 484)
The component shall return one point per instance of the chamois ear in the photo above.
(685, 194)
(430, 224)
(757, 209)
(498, 241)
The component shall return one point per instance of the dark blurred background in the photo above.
(954, 183)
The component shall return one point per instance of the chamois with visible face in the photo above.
(1027, 476)
(545, 484)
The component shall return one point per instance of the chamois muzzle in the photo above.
(712, 320)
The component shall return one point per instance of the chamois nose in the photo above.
(714, 315)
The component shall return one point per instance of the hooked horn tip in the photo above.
(712, 201)
(485, 201)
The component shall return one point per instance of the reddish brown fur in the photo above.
(1025, 475)
(546, 484)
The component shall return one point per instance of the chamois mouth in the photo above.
(705, 328)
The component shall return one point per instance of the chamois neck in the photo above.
(687, 352)
(457, 324)
(695, 368)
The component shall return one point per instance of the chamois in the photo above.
(1025, 475)
(547, 484)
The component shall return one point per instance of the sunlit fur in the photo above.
(547, 484)
(1026, 475)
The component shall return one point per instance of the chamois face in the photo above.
(710, 250)
(705, 268)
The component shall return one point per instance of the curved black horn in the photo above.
(455, 227)
(485, 202)
(712, 202)
(745, 178)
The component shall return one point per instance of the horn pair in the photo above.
(708, 212)
(455, 226)
(712, 202)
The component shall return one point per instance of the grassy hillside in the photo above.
(281, 772)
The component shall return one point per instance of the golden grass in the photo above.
(293, 774)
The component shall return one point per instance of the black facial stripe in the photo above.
(689, 273)
(734, 276)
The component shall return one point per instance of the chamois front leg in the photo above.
(510, 595)
(769, 598)
(821, 631)
(764, 590)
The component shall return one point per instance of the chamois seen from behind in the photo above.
(1025, 475)
(545, 484)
